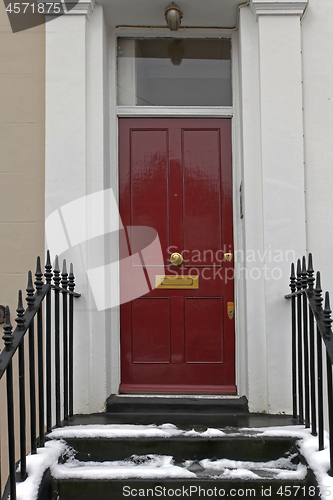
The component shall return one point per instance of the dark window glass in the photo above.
(174, 72)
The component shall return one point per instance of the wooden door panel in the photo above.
(202, 196)
(151, 344)
(148, 169)
(204, 330)
(175, 177)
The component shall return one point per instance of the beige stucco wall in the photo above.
(22, 138)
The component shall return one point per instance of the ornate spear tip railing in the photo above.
(318, 291)
(327, 315)
(310, 318)
(8, 336)
(20, 319)
(39, 277)
(304, 274)
(311, 279)
(14, 341)
(48, 269)
(30, 292)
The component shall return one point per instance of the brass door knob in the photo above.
(176, 259)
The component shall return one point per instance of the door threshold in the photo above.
(181, 396)
(184, 389)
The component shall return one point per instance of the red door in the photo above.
(176, 177)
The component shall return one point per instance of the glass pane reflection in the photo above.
(174, 72)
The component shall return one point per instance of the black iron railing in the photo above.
(39, 302)
(311, 330)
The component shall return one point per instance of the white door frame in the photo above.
(113, 320)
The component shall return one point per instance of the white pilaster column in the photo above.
(282, 165)
(255, 339)
(76, 160)
(66, 106)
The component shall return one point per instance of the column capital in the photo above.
(278, 7)
(81, 7)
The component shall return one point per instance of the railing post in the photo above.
(64, 283)
(23, 449)
(8, 340)
(71, 286)
(48, 279)
(318, 302)
(31, 301)
(40, 359)
(306, 346)
(56, 280)
(299, 337)
(293, 340)
(312, 351)
(327, 322)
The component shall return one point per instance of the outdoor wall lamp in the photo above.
(173, 16)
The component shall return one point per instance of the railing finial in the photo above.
(318, 291)
(64, 267)
(292, 279)
(39, 277)
(30, 292)
(299, 275)
(56, 272)
(8, 336)
(64, 275)
(327, 315)
(71, 278)
(20, 311)
(48, 269)
(304, 273)
(311, 279)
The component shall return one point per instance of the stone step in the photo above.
(113, 459)
(233, 447)
(184, 488)
(178, 410)
(184, 419)
(237, 463)
(155, 404)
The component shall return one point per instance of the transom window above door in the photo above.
(174, 72)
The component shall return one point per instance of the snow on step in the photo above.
(160, 466)
(147, 466)
(130, 431)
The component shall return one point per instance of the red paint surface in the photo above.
(178, 340)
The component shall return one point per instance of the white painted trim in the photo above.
(166, 33)
(181, 111)
(113, 317)
(278, 7)
(238, 229)
(82, 7)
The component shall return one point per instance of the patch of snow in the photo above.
(273, 468)
(207, 433)
(145, 466)
(129, 431)
(36, 466)
(238, 474)
(299, 473)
